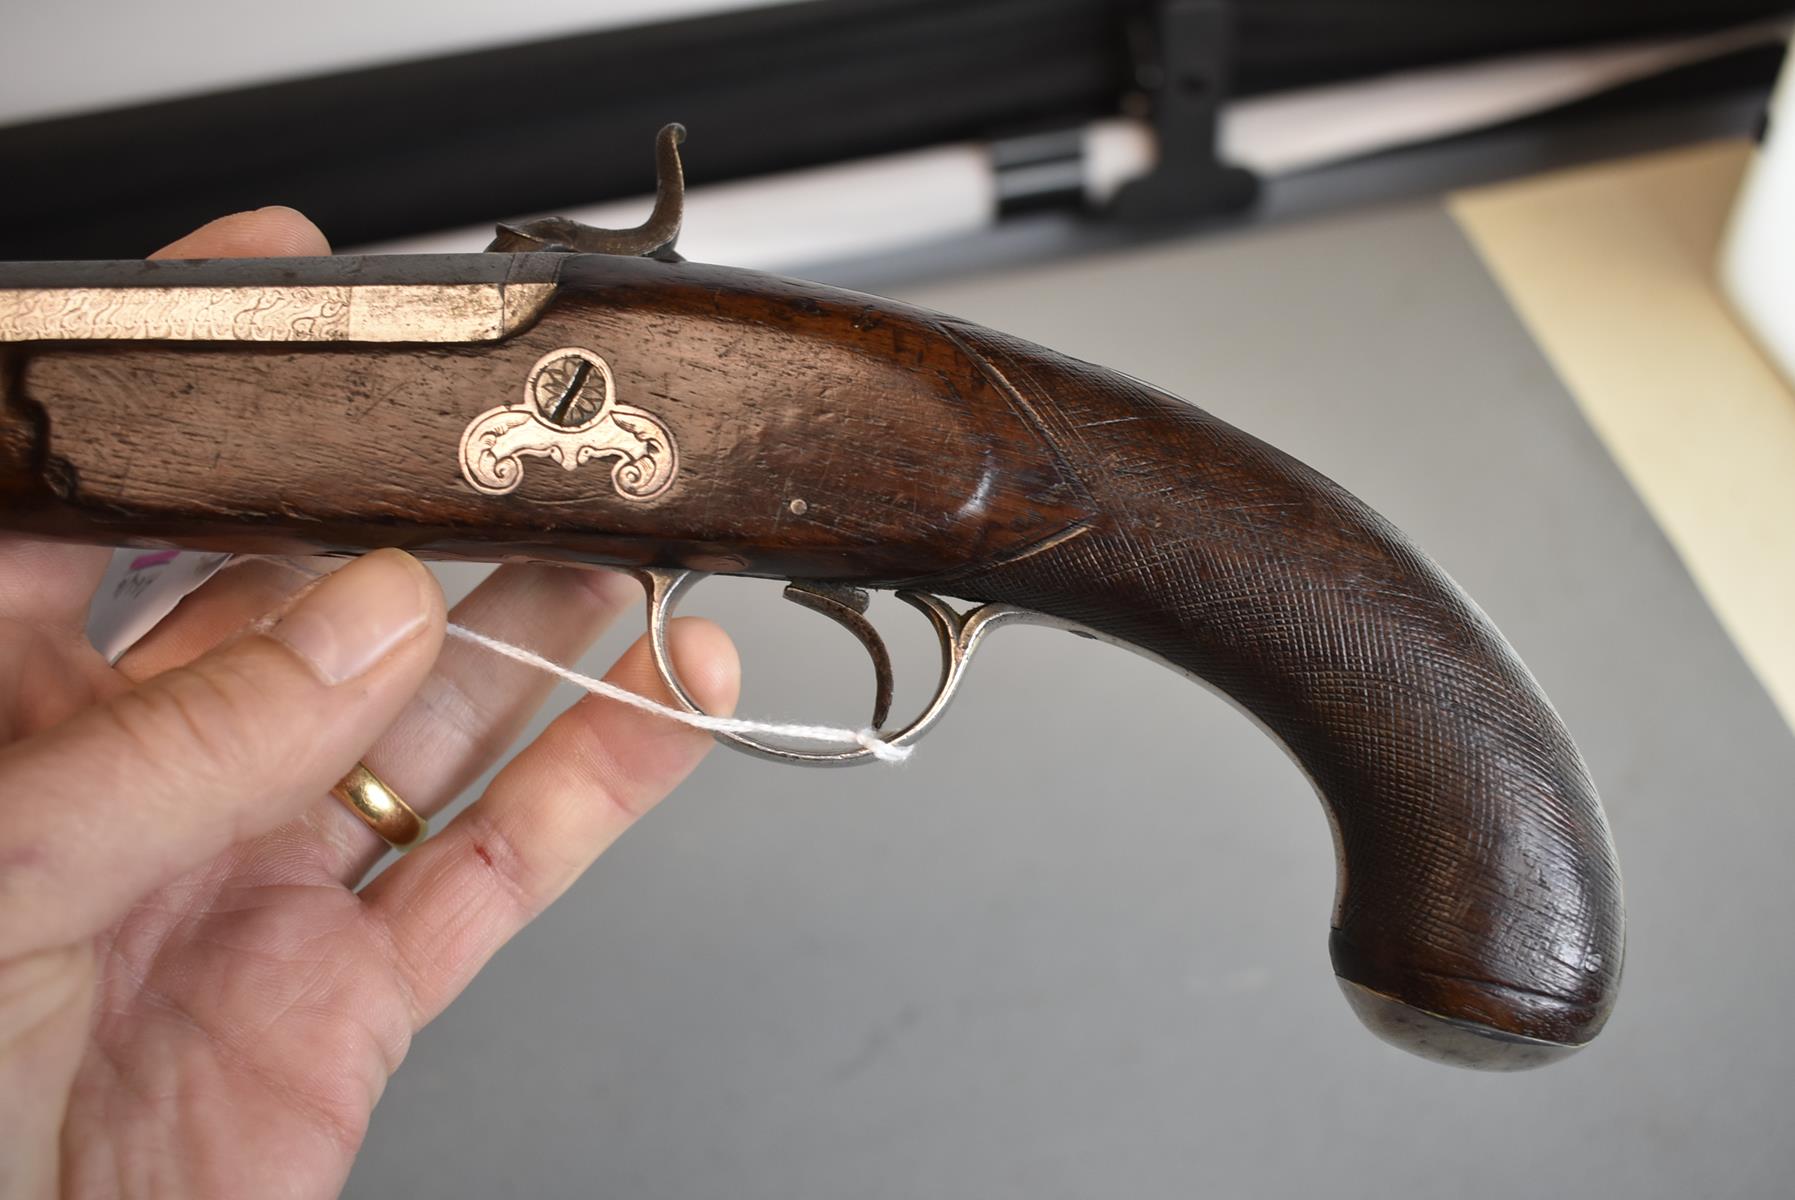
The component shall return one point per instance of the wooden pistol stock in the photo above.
(666, 416)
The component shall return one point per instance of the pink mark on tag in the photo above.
(139, 589)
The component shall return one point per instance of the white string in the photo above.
(882, 750)
(840, 735)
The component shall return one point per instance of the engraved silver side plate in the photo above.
(568, 415)
(454, 298)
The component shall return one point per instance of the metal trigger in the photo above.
(846, 606)
(959, 635)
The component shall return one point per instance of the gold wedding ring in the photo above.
(367, 796)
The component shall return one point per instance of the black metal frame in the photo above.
(438, 143)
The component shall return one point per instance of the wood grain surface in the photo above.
(827, 435)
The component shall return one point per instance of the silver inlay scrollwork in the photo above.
(568, 415)
(438, 312)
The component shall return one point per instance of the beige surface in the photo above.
(1612, 269)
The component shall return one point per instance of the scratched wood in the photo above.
(826, 435)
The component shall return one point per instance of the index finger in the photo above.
(273, 232)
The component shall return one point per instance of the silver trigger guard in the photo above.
(959, 634)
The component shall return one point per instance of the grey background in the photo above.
(1077, 946)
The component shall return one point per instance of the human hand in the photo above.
(195, 1000)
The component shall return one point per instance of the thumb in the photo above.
(125, 796)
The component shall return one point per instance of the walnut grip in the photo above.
(806, 433)
(1479, 909)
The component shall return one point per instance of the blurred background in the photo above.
(1478, 262)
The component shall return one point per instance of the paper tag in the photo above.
(141, 587)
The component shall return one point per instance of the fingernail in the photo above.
(355, 617)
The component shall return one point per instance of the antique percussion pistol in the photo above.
(586, 396)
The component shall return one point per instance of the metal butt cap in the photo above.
(1443, 1039)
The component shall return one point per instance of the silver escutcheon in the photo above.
(569, 416)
